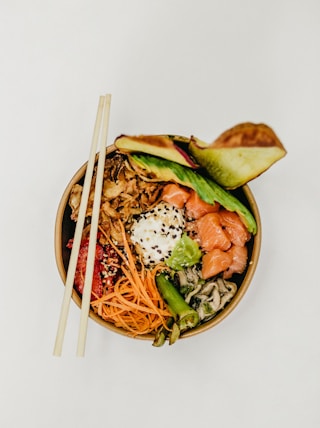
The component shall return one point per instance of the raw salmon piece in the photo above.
(214, 262)
(175, 195)
(210, 233)
(196, 207)
(239, 261)
(234, 228)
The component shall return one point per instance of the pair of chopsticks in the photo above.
(100, 132)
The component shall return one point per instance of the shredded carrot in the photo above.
(135, 304)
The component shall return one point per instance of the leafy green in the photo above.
(186, 253)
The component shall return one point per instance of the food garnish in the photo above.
(186, 253)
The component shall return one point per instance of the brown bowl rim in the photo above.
(242, 289)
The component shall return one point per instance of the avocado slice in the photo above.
(208, 190)
(171, 147)
(239, 155)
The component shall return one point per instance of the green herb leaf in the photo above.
(186, 253)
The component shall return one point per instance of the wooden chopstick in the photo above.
(86, 296)
(79, 226)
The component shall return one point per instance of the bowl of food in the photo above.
(176, 251)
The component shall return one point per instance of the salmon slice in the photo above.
(239, 261)
(210, 233)
(175, 195)
(196, 207)
(214, 262)
(234, 228)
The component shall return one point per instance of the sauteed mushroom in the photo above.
(207, 298)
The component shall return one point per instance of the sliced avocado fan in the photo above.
(207, 189)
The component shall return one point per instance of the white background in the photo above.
(184, 67)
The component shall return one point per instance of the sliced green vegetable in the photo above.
(186, 253)
(163, 333)
(207, 189)
(185, 317)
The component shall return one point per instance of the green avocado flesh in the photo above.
(207, 189)
(233, 167)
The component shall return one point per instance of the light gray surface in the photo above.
(172, 67)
